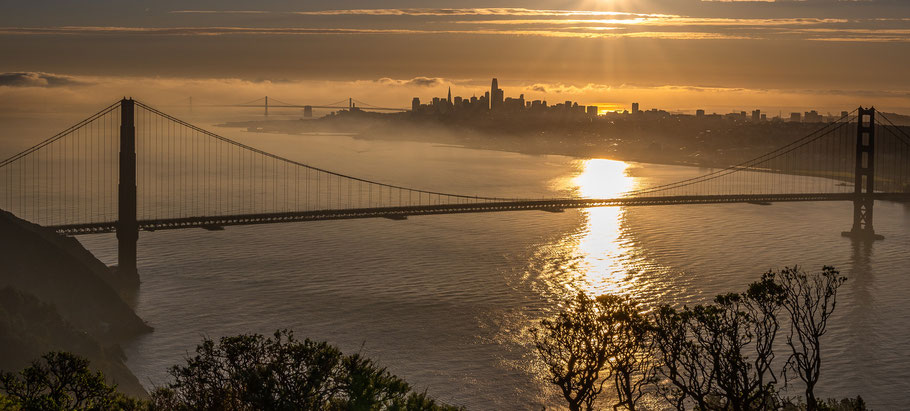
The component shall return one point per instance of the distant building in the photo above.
(307, 111)
(496, 95)
(699, 113)
(756, 116)
(449, 99)
(415, 104)
(592, 111)
(795, 117)
(813, 117)
(741, 116)
(844, 114)
(635, 108)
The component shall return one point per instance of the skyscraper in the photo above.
(496, 95)
(450, 95)
(634, 108)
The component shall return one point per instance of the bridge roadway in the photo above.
(401, 213)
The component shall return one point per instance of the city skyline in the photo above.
(486, 102)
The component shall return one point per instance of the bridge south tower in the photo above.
(127, 224)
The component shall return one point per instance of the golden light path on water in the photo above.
(600, 245)
(594, 258)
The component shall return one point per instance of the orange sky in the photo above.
(678, 55)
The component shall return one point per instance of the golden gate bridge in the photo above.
(131, 168)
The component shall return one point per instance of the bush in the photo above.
(253, 372)
(246, 372)
(61, 381)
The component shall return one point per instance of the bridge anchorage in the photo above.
(132, 168)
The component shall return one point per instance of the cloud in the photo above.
(536, 23)
(416, 81)
(459, 12)
(433, 12)
(36, 79)
(662, 20)
(582, 24)
(219, 12)
(191, 31)
(567, 32)
(562, 88)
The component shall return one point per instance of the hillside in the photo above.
(54, 295)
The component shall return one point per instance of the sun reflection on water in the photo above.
(601, 178)
(601, 245)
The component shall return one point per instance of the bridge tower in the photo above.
(266, 106)
(864, 185)
(127, 225)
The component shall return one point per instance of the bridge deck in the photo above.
(400, 213)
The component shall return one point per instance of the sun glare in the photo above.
(602, 178)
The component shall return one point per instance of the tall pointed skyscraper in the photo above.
(496, 95)
(450, 94)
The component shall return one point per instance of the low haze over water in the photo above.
(447, 301)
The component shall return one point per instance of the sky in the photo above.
(681, 55)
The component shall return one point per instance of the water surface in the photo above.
(446, 302)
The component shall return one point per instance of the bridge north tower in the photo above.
(864, 183)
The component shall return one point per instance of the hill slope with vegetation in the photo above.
(54, 295)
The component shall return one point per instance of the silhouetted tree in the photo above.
(809, 300)
(719, 355)
(574, 347)
(630, 348)
(763, 303)
(61, 381)
(685, 374)
(249, 372)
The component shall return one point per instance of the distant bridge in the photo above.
(265, 103)
(131, 168)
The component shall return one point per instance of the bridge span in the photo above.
(402, 213)
(131, 168)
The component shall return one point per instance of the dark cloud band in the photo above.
(36, 79)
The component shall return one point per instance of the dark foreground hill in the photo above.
(56, 296)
